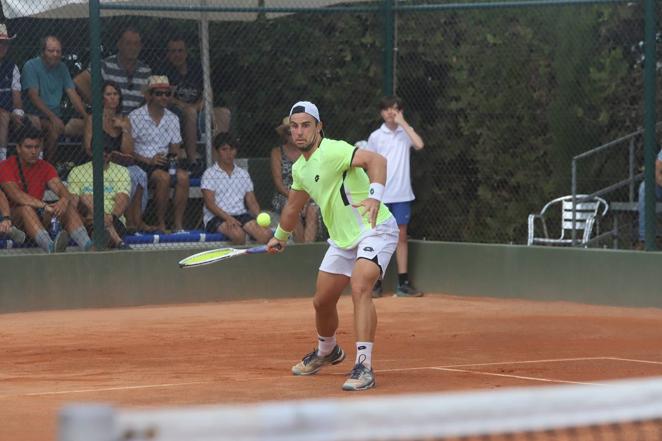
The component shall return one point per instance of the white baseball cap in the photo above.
(306, 107)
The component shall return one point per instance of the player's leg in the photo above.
(181, 198)
(333, 277)
(372, 257)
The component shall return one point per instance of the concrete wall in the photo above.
(105, 279)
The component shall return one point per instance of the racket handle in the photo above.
(257, 250)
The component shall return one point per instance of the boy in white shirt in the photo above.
(394, 140)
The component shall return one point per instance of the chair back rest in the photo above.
(584, 210)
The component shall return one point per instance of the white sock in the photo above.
(364, 353)
(325, 345)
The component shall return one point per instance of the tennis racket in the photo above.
(212, 256)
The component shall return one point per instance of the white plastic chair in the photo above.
(588, 213)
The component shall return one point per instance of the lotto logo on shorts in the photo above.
(372, 191)
(369, 249)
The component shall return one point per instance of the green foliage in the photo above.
(503, 98)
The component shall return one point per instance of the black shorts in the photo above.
(215, 222)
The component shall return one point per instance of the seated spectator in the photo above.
(125, 69)
(230, 206)
(11, 104)
(282, 159)
(658, 198)
(186, 77)
(117, 186)
(117, 134)
(6, 226)
(24, 178)
(157, 142)
(45, 79)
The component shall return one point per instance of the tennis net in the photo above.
(619, 410)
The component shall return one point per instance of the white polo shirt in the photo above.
(150, 138)
(395, 146)
(229, 190)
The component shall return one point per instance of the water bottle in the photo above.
(172, 168)
(55, 226)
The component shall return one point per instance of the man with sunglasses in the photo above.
(157, 141)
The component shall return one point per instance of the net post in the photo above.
(86, 422)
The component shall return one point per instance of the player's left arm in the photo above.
(289, 217)
(375, 166)
(416, 140)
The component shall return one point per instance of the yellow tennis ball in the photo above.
(264, 220)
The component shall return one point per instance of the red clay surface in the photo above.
(233, 352)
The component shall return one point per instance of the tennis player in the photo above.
(347, 184)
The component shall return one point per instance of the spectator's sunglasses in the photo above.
(161, 92)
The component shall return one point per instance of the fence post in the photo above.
(99, 236)
(389, 34)
(649, 123)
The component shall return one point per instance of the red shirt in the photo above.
(36, 177)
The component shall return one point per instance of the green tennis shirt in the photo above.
(329, 178)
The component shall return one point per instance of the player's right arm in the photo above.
(288, 219)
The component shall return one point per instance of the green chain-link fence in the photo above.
(503, 97)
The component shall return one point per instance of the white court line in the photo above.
(634, 361)
(448, 368)
(520, 377)
(104, 389)
(499, 363)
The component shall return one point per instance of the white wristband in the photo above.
(18, 112)
(376, 191)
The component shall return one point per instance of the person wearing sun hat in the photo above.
(157, 141)
(11, 105)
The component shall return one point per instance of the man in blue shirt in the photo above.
(45, 79)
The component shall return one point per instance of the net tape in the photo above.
(401, 417)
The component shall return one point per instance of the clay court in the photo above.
(234, 352)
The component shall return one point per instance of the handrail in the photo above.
(630, 181)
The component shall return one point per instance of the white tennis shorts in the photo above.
(381, 243)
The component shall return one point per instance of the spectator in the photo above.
(44, 80)
(187, 102)
(157, 142)
(6, 227)
(24, 178)
(282, 159)
(117, 186)
(117, 133)
(658, 197)
(124, 68)
(11, 104)
(393, 140)
(230, 206)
